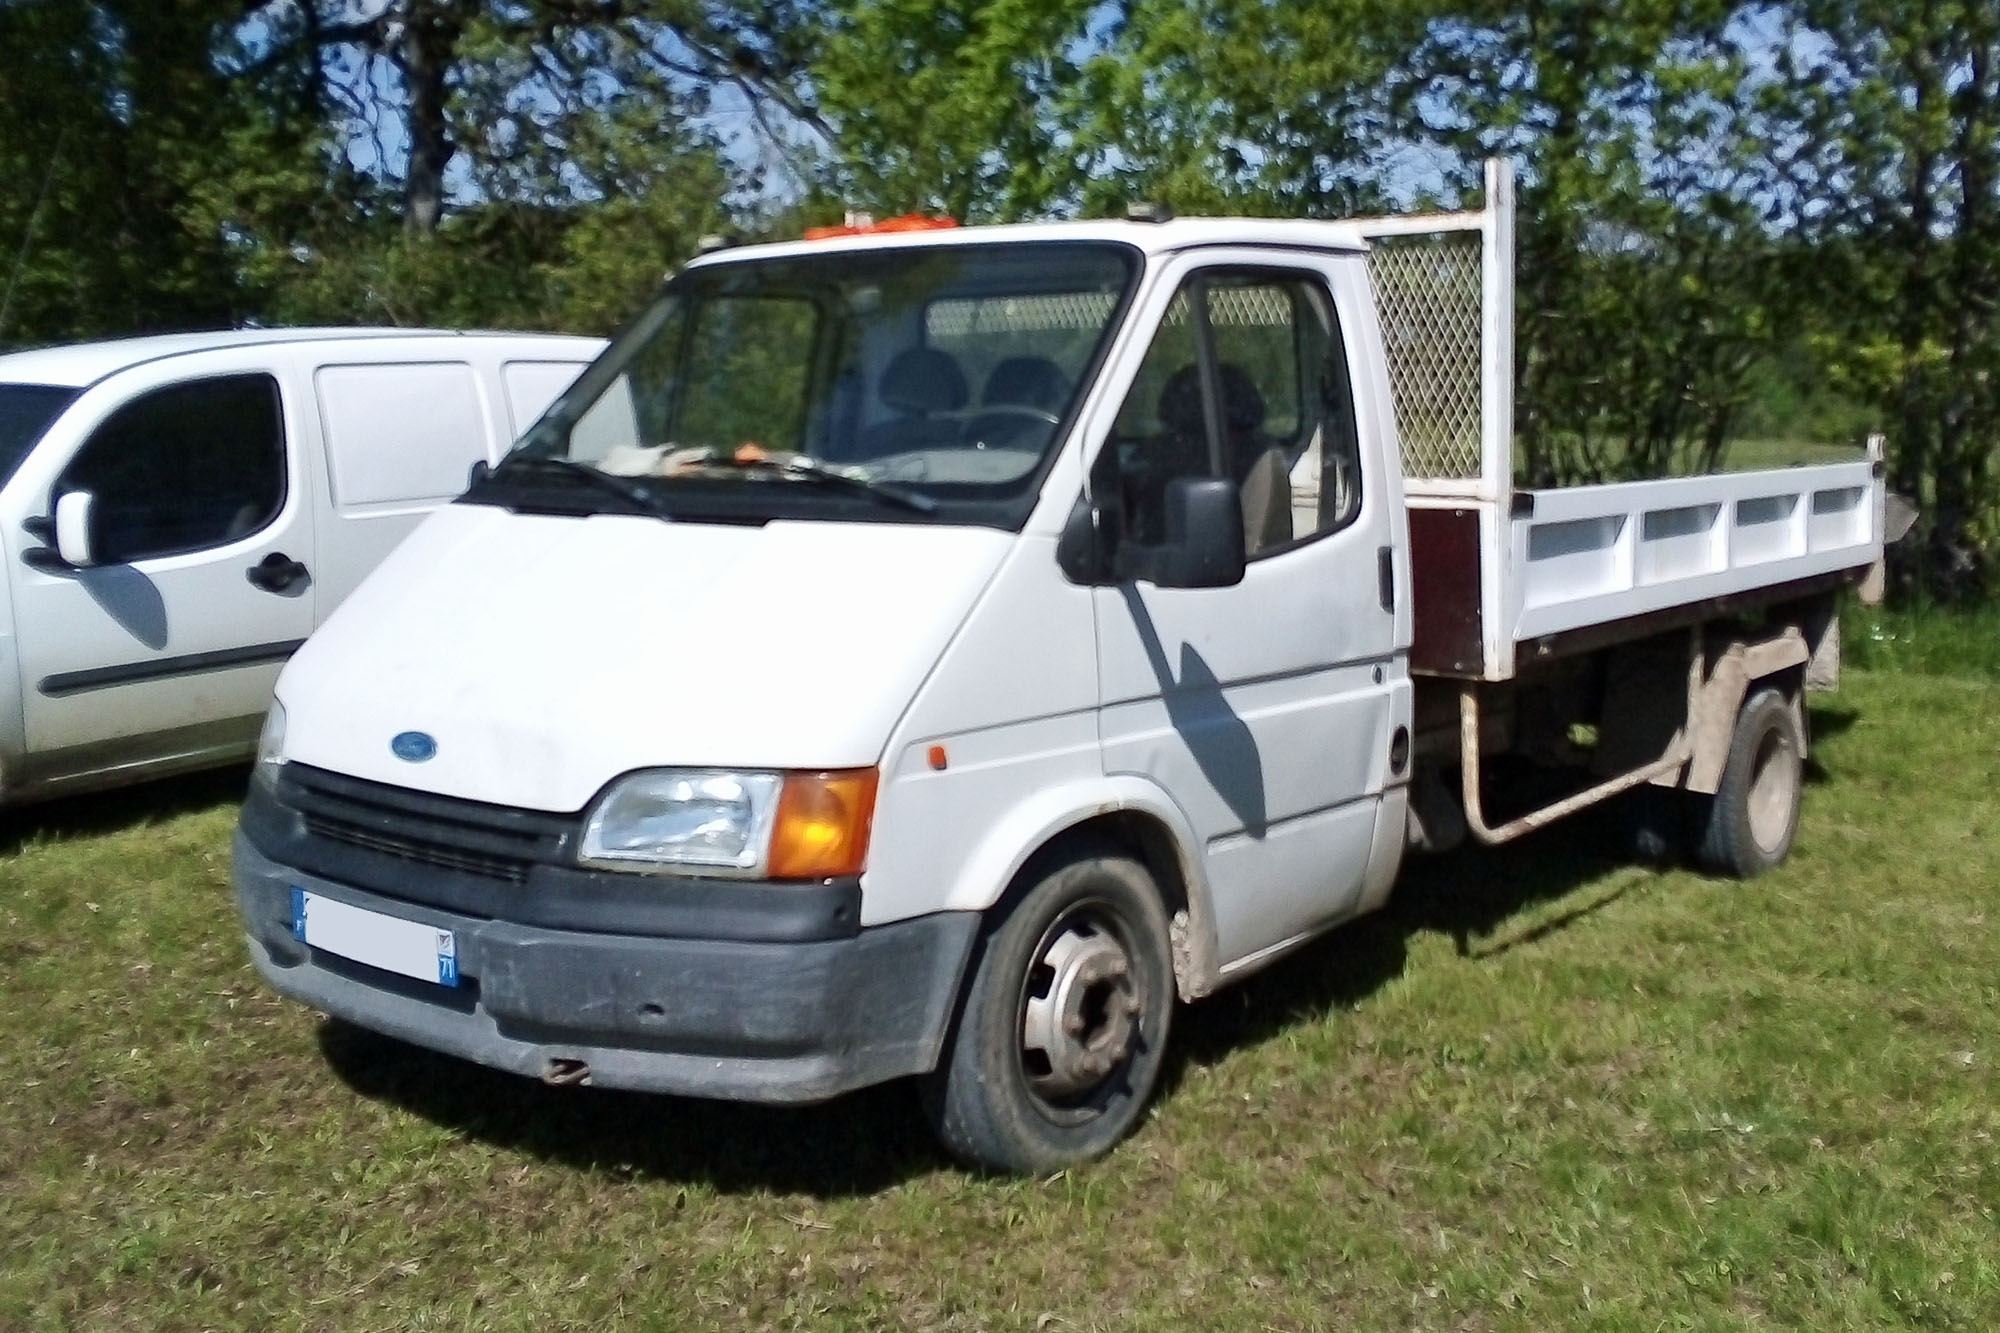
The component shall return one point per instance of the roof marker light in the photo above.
(859, 224)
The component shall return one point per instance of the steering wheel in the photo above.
(1014, 421)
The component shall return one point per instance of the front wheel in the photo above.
(1061, 1036)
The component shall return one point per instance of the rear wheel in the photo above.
(1754, 814)
(1061, 1037)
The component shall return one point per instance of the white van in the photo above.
(177, 513)
(933, 652)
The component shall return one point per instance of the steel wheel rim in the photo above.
(1079, 1007)
(1774, 781)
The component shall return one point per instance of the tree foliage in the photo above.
(1733, 214)
(1891, 149)
(108, 112)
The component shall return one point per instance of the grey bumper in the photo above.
(747, 1021)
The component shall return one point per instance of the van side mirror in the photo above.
(1204, 538)
(73, 513)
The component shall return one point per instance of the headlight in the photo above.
(719, 822)
(684, 818)
(271, 745)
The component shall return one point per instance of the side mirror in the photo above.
(1205, 545)
(1204, 538)
(73, 512)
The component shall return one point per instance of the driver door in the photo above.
(166, 646)
(1265, 709)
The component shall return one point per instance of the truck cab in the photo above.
(915, 653)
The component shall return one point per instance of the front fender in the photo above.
(1045, 814)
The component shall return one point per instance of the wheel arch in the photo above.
(1127, 813)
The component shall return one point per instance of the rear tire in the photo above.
(1063, 1028)
(1754, 815)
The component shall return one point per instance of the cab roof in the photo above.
(78, 365)
(1153, 238)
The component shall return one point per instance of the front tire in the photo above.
(1754, 814)
(1060, 1040)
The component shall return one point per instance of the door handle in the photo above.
(1385, 577)
(277, 572)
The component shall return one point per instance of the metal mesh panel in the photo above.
(1254, 307)
(1018, 314)
(1427, 295)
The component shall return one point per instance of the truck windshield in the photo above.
(895, 385)
(25, 412)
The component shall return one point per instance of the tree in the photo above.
(1889, 139)
(503, 92)
(1291, 107)
(949, 107)
(1645, 267)
(110, 112)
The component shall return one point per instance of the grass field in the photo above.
(1544, 1090)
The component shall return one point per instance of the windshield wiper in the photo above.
(811, 469)
(631, 492)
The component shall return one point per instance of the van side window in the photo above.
(1287, 410)
(182, 468)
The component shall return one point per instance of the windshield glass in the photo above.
(25, 412)
(891, 385)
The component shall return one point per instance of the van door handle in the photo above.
(1385, 577)
(277, 572)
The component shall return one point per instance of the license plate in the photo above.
(408, 948)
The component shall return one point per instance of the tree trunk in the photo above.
(431, 30)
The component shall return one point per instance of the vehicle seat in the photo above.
(1026, 381)
(919, 384)
(1256, 462)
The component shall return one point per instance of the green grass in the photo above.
(1755, 455)
(1544, 1090)
(1927, 640)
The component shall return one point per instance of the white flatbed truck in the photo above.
(932, 652)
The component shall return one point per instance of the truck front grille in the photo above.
(464, 837)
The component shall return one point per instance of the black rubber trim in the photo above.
(426, 822)
(561, 897)
(187, 664)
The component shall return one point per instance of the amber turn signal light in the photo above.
(823, 824)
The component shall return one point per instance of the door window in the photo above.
(183, 468)
(1284, 409)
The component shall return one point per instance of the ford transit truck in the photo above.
(938, 652)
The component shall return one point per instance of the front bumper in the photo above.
(747, 1020)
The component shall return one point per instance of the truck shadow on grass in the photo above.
(876, 1138)
(857, 1144)
(1466, 896)
(96, 814)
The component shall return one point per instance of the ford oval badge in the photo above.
(413, 746)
